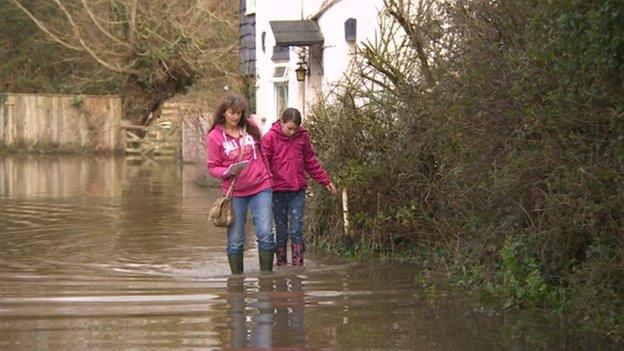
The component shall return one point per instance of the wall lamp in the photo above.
(301, 71)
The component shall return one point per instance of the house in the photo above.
(315, 39)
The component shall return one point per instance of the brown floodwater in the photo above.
(104, 254)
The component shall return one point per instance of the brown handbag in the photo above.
(221, 213)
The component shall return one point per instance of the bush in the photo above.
(504, 145)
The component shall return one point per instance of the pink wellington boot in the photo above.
(280, 255)
(297, 254)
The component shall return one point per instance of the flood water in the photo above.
(104, 254)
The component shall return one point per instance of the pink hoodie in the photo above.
(290, 158)
(222, 151)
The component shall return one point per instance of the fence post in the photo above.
(345, 212)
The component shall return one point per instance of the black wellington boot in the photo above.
(266, 260)
(236, 263)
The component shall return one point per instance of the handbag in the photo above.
(221, 212)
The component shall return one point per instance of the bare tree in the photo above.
(160, 47)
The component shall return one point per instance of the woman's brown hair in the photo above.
(238, 104)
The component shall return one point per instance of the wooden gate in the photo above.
(160, 140)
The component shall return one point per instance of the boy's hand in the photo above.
(331, 188)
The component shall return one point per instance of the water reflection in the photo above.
(60, 176)
(266, 312)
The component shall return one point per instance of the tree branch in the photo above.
(88, 49)
(45, 29)
(398, 13)
(102, 29)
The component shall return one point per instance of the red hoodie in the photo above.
(290, 158)
(222, 151)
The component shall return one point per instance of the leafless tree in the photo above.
(159, 47)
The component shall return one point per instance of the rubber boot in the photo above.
(297, 254)
(236, 263)
(266, 260)
(280, 255)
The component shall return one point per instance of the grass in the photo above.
(25, 148)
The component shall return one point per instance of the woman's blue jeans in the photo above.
(288, 209)
(260, 204)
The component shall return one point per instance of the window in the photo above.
(250, 7)
(350, 27)
(263, 36)
(280, 74)
(281, 98)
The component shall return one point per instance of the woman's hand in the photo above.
(236, 171)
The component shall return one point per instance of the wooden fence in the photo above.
(66, 121)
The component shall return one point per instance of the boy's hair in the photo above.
(291, 114)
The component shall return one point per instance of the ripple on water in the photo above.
(112, 255)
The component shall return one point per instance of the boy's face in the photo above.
(289, 128)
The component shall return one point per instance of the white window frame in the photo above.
(276, 86)
(250, 7)
(281, 79)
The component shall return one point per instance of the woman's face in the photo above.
(289, 128)
(232, 117)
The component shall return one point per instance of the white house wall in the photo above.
(336, 51)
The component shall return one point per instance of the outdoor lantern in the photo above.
(301, 71)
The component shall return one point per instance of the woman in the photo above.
(290, 155)
(234, 132)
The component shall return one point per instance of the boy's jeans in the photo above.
(288, 208)
(260, 204)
